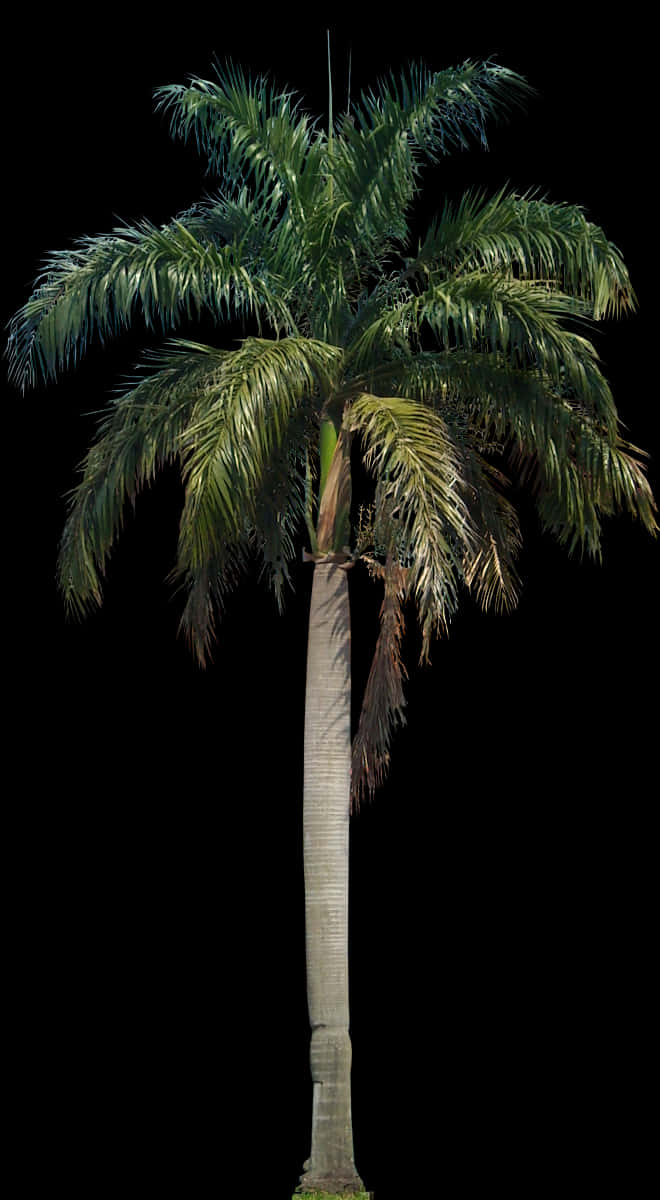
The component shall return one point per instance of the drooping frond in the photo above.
(534, 238)
(489, 567)
(518, 322)
(255, 226)
(409, 450)
(281, 504)
(599, 478)
(227, 450)
(140, 434)
(206, 588)
(277, 514)
(238, 400)
(579, 470)
(383, 702)
(245, 474)
(99, 286)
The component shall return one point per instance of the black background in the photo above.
(501, 884)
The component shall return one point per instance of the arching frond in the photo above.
(247, 130)
(409, 449)
(277, 513)
(228, 448)
(581, 470)
(536, 239)
(439, 110)
(520, 323)
(256, 227)
(598, 479)
(166, 274)
(141, 432)
(376, 159)
(489, 563)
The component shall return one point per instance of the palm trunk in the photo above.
(330, 1167)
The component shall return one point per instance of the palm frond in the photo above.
(281, 504)
(377, 156)
(258, 229)
(489, 569)
(518, 322)
(410, 451)
(374, 176)
(535, 239)
(437, 379)
(227, 450)
(269, 531)
(580, 469)
(383, 701)
(599, 478)
(439, 110)
(98, 286)
(141, 432)
(207, 587)
(247, 130)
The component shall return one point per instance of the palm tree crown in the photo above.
(450, 365)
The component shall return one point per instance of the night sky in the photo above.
(501, 894)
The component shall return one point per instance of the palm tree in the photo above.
(447, 368)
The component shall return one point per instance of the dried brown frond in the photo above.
(383, 701)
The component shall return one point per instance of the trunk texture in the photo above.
(330, 1166)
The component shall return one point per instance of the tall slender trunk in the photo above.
(330, 1166)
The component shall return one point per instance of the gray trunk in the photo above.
(330, 1166)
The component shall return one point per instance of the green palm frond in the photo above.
(275, 517)
(494, 402)
(598, 478)
(139, 435)
(534, 238)
(522, 321)
(98, 286)
(376, 159)
(227, 449)
(409, 450)
(374, 175)
(439, 110)
(247, 130)
(255, 226)
(579, 470)
(281, 504)
(199, 407)
(519, 323)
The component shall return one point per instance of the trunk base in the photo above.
(333, 1196)
(329, 1187)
